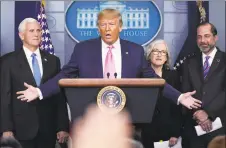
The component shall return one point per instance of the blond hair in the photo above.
(109, 13)
(151, 46)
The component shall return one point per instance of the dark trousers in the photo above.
(40, 141)
(63, 145)
(195, 141)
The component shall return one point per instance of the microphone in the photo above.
(108, 75)
(115, 74)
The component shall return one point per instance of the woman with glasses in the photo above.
(166, 122)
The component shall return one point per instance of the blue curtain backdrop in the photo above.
(190, 47)
(23, 9)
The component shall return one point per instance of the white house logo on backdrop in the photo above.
(141, 20)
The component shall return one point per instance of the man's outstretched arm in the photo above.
(51, 87)
(173, 94)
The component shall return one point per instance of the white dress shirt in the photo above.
(117, 56)
(28, 54)
(212, 55)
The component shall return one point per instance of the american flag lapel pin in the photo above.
(127, 53)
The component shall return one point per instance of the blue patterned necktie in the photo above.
(36, 69)
(206, 67)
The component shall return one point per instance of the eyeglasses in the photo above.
(156, 52)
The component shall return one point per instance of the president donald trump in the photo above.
(104, 57)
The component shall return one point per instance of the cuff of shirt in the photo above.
(179, 98)
(39, 94)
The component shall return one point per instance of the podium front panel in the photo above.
(140, 102)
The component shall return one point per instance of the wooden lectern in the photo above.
(141, 95)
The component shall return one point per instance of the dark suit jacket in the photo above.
(25, 119)
(167, 117)
(86, 62)
(210, 91)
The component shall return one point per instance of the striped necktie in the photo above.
(206, 66)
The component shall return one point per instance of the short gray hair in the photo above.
(22, 25)
(151, 46)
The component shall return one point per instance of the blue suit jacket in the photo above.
(86, 62)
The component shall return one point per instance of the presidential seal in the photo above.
(111, 99)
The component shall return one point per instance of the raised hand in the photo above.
(188, 101)
(30, 94)
(98, 129)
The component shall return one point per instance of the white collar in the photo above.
(212, 54)
(28, 52)
(116, 44)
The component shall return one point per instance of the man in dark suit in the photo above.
(205, 73)
(106, 57)
(38, 123)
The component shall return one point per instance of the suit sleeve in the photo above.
(220, 110)
(148, 72)
(186, 85)
(62, 113)
(175, 111)
(219, 105)
(70, 70)
(6, 97)
(177, 120)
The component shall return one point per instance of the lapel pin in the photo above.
(45, 59)
(218, 60)
(127, 52)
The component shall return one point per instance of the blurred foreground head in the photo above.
(98, 129)
(9, 142)
(218, 142)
